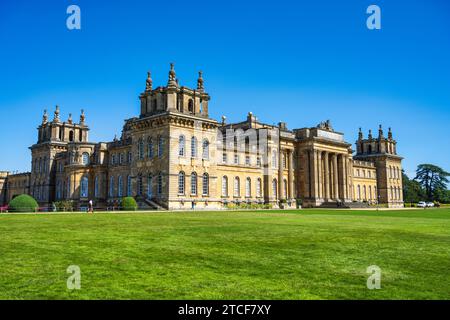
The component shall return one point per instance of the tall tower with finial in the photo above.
(382, 152)
(173, 97)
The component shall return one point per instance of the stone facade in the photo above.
(173, 155)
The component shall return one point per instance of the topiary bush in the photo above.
(129, 204)
(23, 203)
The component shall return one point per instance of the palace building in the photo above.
(174, 156)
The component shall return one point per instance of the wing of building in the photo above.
(174, 156)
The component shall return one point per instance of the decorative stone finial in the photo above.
(69, 120)
(380, 132)
(82, 117)
(370, 134)
(56, 114)
(360, 134)
(200, 82)
(149, 82)
(45, 117)
(223, 120)
(390, 133)
(172, 77)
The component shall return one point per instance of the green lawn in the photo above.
(308, 254)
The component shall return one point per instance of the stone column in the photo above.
(319, 175)
(336, 177)
(327, 177)
(280, 175)
(315, 174)
(291, 175)
(344, 175)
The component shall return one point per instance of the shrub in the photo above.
(23, 203)
(129, 204)
(64, 205)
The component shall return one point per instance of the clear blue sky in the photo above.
(297, 61)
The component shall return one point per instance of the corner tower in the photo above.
(53, 139)
(174, 97)
(382, 152)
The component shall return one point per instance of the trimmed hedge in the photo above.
(129, 204)
(23, 203)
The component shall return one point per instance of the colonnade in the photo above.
(328, 175)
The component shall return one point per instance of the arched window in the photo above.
(120, 186)
(181, 146)
(247, 144)
(237, 187)
(149, 186)
(80, 135)
(205, 184)
(274, 158)
(370, 192)
(359, 192)
(181, 180)
(58, 189)
(129, 186)
(224, 186)
(248, 187)
(141, 149)
(160, 182)
(121, 158)
(130, 157)
(369, 148)
(139, 185)
(68, 187)
(71, 136)
(84, 188)
(284, 162)
(85, 158)
(96, 187)
(365, 193)
(160, 146)
(193, 147)
(205, 153)
(274, 188)
(150, 148)
(193, 183)
(258, 187)
(191, 106)
(111, 187)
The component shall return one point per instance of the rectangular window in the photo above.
(224, 158)
(236, 159)
(258, 161)
(247, 160)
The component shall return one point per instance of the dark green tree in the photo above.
(432, 179)
(412, 190)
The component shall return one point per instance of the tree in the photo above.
(433, 179)
(412, 190)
